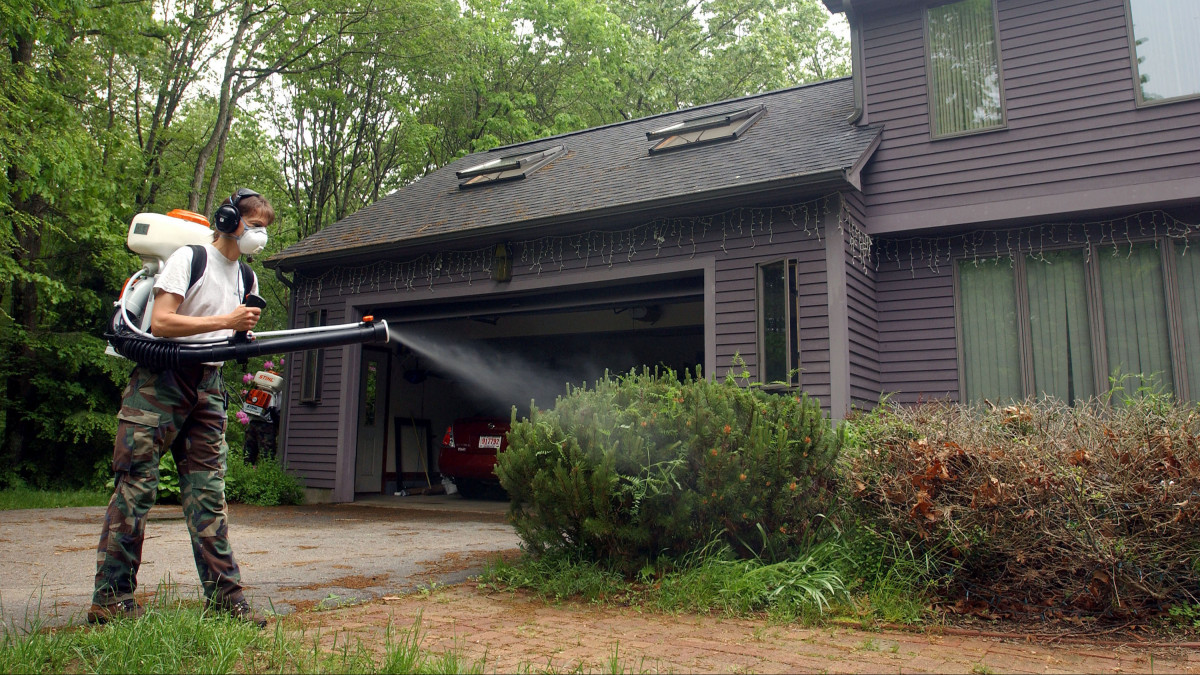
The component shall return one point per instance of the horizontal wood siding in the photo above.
(917, 344)
(813, 298)
(736, 240)
(1073, 124)
(311, 432)
(862, 314)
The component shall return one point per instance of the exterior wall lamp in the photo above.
(502, 263)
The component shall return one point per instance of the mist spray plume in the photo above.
(500, 377)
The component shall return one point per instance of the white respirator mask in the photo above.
(252, 241)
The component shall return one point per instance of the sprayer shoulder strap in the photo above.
(200, 261)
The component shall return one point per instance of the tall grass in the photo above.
(710, 580)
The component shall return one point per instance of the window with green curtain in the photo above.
(1166, 48)
(991, 351)
(1187, 268)
(1135, 316)
(1060, 334)
(964, 68)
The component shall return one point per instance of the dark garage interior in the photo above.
(482, 358)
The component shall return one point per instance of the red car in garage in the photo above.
(468, 454)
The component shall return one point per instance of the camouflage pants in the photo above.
(183, 410)
(260, 440)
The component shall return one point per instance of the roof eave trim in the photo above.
(854, 173)
(831, 178)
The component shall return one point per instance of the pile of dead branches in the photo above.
(1041, 506)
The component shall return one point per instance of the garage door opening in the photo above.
(510, 361)
(483, 358)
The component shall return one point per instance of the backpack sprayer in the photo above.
(261, 401)
(154, 237)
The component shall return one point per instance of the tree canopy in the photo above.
(108, 109)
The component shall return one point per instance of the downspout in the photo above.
(856, 64)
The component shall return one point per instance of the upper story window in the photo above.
(1166, 48)
(965, 94)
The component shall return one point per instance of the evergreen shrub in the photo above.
(643, 468)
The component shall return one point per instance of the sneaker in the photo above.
(124, 609)
(241, 610)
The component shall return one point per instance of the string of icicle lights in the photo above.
(595, 247)
(609, 247)
(1116, 236)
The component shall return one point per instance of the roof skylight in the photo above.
(508, 167)
(707, 129)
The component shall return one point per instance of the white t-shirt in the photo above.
(219, 290)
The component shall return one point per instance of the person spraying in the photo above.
(183, 409)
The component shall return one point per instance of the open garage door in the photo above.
(505, 351)
(480, 358)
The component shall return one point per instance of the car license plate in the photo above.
(490, 442)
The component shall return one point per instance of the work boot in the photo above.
(241, 610)
(124, 609)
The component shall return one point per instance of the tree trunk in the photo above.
(210, 196)
(18, 432)
(23, 295)
(224, 112)
(179, 74)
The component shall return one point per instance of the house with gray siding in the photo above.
(1001, 202)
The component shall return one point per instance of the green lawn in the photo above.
(28, 498)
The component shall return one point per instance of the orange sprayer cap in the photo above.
(368, 318)
(184, 214)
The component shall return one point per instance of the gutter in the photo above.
(832, 178)
(291, 285)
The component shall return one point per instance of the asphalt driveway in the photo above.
(292, 558)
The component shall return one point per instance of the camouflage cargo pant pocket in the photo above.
(138, 437)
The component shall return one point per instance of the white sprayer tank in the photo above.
(155, 236)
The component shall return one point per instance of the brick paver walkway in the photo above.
(522, 634)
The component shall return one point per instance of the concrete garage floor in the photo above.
(292, 558)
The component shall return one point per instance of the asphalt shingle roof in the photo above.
(804, 132)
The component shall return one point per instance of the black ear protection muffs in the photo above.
(228, 216)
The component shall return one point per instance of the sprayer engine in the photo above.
(154, 237)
